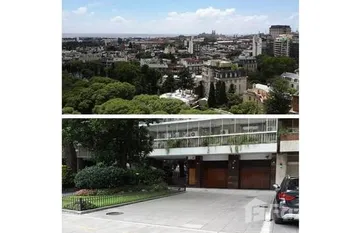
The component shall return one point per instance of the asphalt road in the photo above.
(197, 210)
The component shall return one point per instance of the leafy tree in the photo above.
(199, 90)
(120, 140)
(196, 111)
(185, 80)
(211, 98)
(234, 99)
(130, 45)
(155, 103)
(232, 89)
(248, 107)
(169, 85)
(279, 101)
(120, 41)
(222, 94)
(69, 110)
(121, 106)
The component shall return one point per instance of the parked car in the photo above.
(286, 201)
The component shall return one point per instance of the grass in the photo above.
(93, 202)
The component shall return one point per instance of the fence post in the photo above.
(81, 203)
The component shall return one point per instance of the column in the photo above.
(233, 175)
(199, 171)
(281, 164)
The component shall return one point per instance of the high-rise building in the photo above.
(256, 46)
(282, 46)
(277, 30)
(191, 46)
(294, 48)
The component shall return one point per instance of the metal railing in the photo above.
(218, 140)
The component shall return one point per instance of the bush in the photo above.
(159, 187)
(85, 192)
(149, 176)
(86, 205)
(67, 177)
(98, 177)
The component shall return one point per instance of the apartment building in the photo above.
(249, 63)
(229, 153)
(224, 152)
(282, 46)
(277, 30)
(193, 65)
(228, 72)
(256, 46)
(292, 78)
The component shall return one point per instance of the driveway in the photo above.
(197, 210)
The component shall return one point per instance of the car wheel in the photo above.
(277, 220)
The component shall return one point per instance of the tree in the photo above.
(217, 93)
(279, 101)
(121, 106)
(113, 141)
(248, 107)
(185, 80)
(234, 99)
(223, 100)
(120, 41)
(169, 85)
(199, 90)
(232, 89)
(130, 45)
(211, 99)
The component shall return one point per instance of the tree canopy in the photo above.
(247, 107)
(279, 101)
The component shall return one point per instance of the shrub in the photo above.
(86, 205)
(159, 187)
(105, 192)
(98, 177)
(67, 177)
(147, 176)
(85, 192)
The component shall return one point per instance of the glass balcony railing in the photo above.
(217, 140)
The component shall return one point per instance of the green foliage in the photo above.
(232, 89)
(75, 205)
(270, 67)
(223, 100)
(248, 107)
(234, 99)
(196, 111)
(279, 101)
(97, 177)
(148, 176)
(211, 98)
(162, 186)
(185, 80)
(69, 110)
(200, 91)
(169, 85)
(121, 106)
(67, 177)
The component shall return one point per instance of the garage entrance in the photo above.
(215, 174)
(254, 174)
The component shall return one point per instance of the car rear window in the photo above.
(293, 184)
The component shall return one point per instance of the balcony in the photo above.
(216, 144)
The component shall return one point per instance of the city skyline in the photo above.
(191, 17)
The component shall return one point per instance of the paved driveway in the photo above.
(197, 210)
(286, 228)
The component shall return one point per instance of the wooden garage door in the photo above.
(254, 174)
(215, 178)
(192, 176)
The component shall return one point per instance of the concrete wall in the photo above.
(214, 150)
(289, 146)
(281, 165)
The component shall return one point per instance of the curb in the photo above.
(118, 205)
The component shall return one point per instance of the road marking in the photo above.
(148, 224)
(266, 228)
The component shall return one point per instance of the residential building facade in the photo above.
(256, 46)
(277, 30)
(282, 46)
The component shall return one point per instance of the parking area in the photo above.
(197, 210)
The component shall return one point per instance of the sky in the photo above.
(177, 16)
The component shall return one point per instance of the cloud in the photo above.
(118, 19)
(80, 11)
(223, 20)
(293, 16)
(92, 13)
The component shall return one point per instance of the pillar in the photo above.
(199, 171)
(281, 165)
(233, 175)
